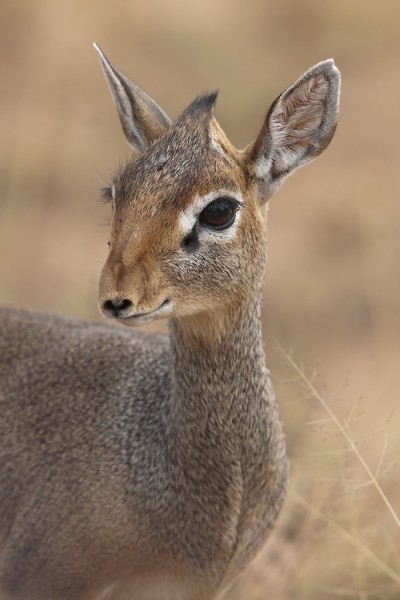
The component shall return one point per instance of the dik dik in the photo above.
(152, 467)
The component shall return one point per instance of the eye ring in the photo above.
(219, 214)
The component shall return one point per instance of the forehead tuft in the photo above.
(181, 161)
(203, 104)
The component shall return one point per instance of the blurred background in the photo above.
(332, 291)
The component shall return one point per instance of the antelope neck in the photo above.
(218, 370)
(228, 434)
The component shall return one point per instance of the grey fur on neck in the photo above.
(228, 425)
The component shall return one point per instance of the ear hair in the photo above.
(298, 127)
(142, 120)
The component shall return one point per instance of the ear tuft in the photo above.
(299, 126)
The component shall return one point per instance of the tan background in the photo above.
(332, 292)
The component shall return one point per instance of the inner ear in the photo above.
(298, 127)
(299, 115)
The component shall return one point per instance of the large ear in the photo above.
(142, 120)
(298, 127)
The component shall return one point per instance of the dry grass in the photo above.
(333, 286)
(338, 535)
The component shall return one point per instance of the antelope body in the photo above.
(150, 466)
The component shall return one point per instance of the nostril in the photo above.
(125, 303)
(116, 306)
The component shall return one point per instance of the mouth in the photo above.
(145, 317)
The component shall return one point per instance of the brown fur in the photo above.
(150, 466)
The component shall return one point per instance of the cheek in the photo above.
(212, 271)
(221, 263)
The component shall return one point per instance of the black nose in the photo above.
(114, 308)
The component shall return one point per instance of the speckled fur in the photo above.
(147, 466)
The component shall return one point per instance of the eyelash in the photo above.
(106, 194)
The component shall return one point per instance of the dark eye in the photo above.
(219, 214)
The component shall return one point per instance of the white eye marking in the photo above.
(188, 217)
